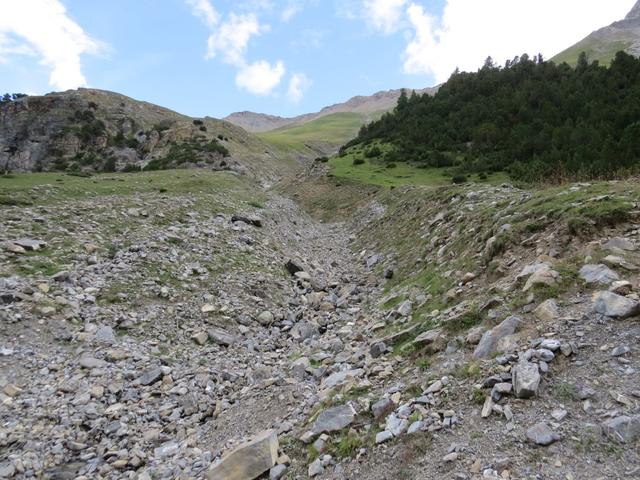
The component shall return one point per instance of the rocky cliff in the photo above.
(92, 130)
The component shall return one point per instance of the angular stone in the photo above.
(7, 470)
(541, 434)
(340, 378)
(542, 276)
(334, 419)
(377, 349)
(404, 309)
(292, 267)
(598, 274)
(434, 387)
(432, 341)
(221, 337)
(397, 426)
(550, 344)
(248, 460)
(615, 261)
(277, 472)
(487, 408)
(400, 336)
(315, 468)
(526, 379)
(303, 330)
(265, 318)
(559, 414)
(382, 407)
(475, 335)
(90, 362)
(502, 388)
(623, 429)
(615, 306)
(200, 338)
(489, 341)
(11, 390)
(253, 221)
(620, 243)
(547, 311)
(415, 427)
(151, 376)
(620, 350)
(13, 248)
(105, 335)
(621, 287)
(30, 244)
(383, 436)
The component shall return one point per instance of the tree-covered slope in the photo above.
(537, 120)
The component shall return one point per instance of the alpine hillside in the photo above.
(414, 285)
(603, 44)
(99, 130)
(365, 106)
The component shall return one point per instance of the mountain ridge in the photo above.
(604, 43)
(381, 101)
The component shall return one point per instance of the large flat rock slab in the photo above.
(248, 460)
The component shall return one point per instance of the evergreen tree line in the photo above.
(11, 97)
(534, 119)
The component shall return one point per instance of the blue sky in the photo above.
(284, 57)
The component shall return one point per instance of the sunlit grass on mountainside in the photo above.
(600, 51)
(335, 129)
(376, 172)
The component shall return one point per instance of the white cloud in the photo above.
(294, 7)
(43, 28)
(290, 11)
(384, 15)
(260, 78)
(470, 30)
(205, 11)
(231, 39)
(298, 85)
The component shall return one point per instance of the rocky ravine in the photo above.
(150, 335)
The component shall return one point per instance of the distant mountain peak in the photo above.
(603, 44)
(635, 12)
(365, 105)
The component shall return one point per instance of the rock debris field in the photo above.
(223, 333)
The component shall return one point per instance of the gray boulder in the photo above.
(248, 460)
(526, 379)
(541, 434)
(334, 419)
(613, 305)
(221, 337)
(151, 376)
(620, 243)
(105, 335)
(489, 341)
(622, 429)
(598, 274)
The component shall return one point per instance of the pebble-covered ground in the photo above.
(147, 332)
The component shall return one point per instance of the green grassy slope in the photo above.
(373, 172)
(603, 52)
(47, 188)
(321, 135)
